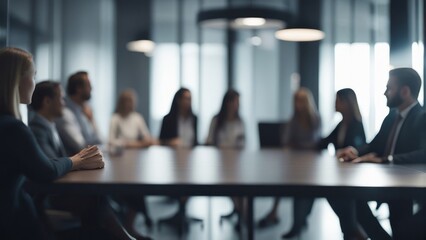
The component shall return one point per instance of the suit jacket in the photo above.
(355, 136)
(169, 128)
(410, 136)
(44, 136)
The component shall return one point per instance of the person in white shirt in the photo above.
(128, 128)
(227, 127)
(227, 131)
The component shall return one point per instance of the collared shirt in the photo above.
(403, 115)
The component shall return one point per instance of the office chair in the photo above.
(270, 134)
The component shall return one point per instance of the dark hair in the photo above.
(42, 90)
(76, 81)
(348, 95)
(221, 117)
(174, 109)
(408, 77)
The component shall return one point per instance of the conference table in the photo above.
(208, 171)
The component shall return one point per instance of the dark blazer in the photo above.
(409, 138)
(355, 136)
(169, 128)
(44, 136)
(21, 158)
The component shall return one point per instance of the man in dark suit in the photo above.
(401, 134)
(47, 102)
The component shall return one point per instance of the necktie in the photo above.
(392, 135)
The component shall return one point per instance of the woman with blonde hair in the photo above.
(128, 127)
(21, 155)
(302, 133)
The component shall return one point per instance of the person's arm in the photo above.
(42, 139)
(357, 136)
(31, 159)
(167, 133)
(146, 140)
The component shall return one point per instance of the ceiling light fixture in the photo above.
(145, 46)
(243, 18)
(142, 43)
(300, 33)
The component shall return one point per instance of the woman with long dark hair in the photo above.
(227, 127)
(227, 131)
(179, 130)
(179, 126)
(349, 131)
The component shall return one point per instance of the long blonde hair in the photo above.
(14, 63)
(310, 107)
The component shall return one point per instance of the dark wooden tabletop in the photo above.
(209, 171)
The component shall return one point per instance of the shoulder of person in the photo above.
(167, 117)
(67, 113)
(11, 124)
(137, 115)
(35, 124)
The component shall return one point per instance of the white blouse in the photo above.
(232, 134)
(131, 127)
(186, 131)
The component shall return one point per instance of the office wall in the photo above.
(133, 18)
(88, 43)
(3, 22)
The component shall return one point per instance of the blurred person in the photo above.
(227, 128)
(128, 128)
(47, 103)
(179, 126)
(302, 133)
(348, 132)
(227, 132)
(77, 127)
(179, 130)
(22, 156)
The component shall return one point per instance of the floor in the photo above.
(322, 223)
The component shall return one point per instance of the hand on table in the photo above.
(347, 154)
(88, 158)
(370, 157)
